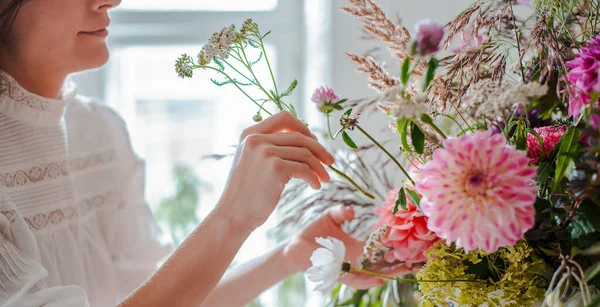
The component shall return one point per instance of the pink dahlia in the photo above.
(583, 77)
(478, 192)
(428, 36)
(407, 231)
(550, 136)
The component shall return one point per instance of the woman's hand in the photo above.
(270, 154)
(329, 224)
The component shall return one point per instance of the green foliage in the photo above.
(348, 140)
(567, 148)
(179, 210)
(400, 201)
(418, 138)
(430, 73)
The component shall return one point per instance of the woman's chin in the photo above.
(93, 58)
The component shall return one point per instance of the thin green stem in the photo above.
(464, 120)
(386, 152)
(436, 128)
(329, 127)
(255, 78)
(454, 119)
(367, 194)
(236, 85)
(410, 280)
(262, 46)
(518, 42)
(241, 74)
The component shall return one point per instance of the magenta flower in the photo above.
(583, 76)
(428, 37)
(595, 121)
(478, 192)
(550, 136)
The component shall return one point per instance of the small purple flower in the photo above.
(584, 76)
(428, 37)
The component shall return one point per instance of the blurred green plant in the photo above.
(179, 210)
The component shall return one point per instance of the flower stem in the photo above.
(340, 173)
(329, 127)
(518, 39)
(262, 46)
(409, 280)
(236, 85)
(437, 129)
(385, 151)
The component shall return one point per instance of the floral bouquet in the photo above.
(497, 120)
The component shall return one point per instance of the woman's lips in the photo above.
(99, 33)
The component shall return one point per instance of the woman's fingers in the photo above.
(293, 169)
(297, 139)
(280, 122)
(300, 154)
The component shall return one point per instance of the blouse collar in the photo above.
(18, 103)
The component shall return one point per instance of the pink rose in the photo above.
(408, 234)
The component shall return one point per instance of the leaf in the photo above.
(220, 83)
(414, 198)
(400, 201)
(430, 73)
(427, 119)
(595, 302)
(521, 137)
(418, 138)
(592, 272)
(593, 250)
(402, 129)
(348, 112)
(341, 101)
(586, 221)
(405, 75)
(568, 146)
(290, 88)
(269, 32)
(544, 171)
(219, 63)
(356, 298)
(348, 140)
(253, 43)
(257, 60)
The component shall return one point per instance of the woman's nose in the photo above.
(104, 5)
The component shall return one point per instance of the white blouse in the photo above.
(74, 227)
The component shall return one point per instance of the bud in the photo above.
(257, 118)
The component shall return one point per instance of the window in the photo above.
(175, 122)
(185, 5)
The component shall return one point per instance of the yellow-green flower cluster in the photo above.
(516, 281)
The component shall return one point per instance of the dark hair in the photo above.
(8, 14)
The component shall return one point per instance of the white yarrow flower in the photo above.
(327, 264)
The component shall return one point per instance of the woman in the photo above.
(74, 227)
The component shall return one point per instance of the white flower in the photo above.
(327, 264)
